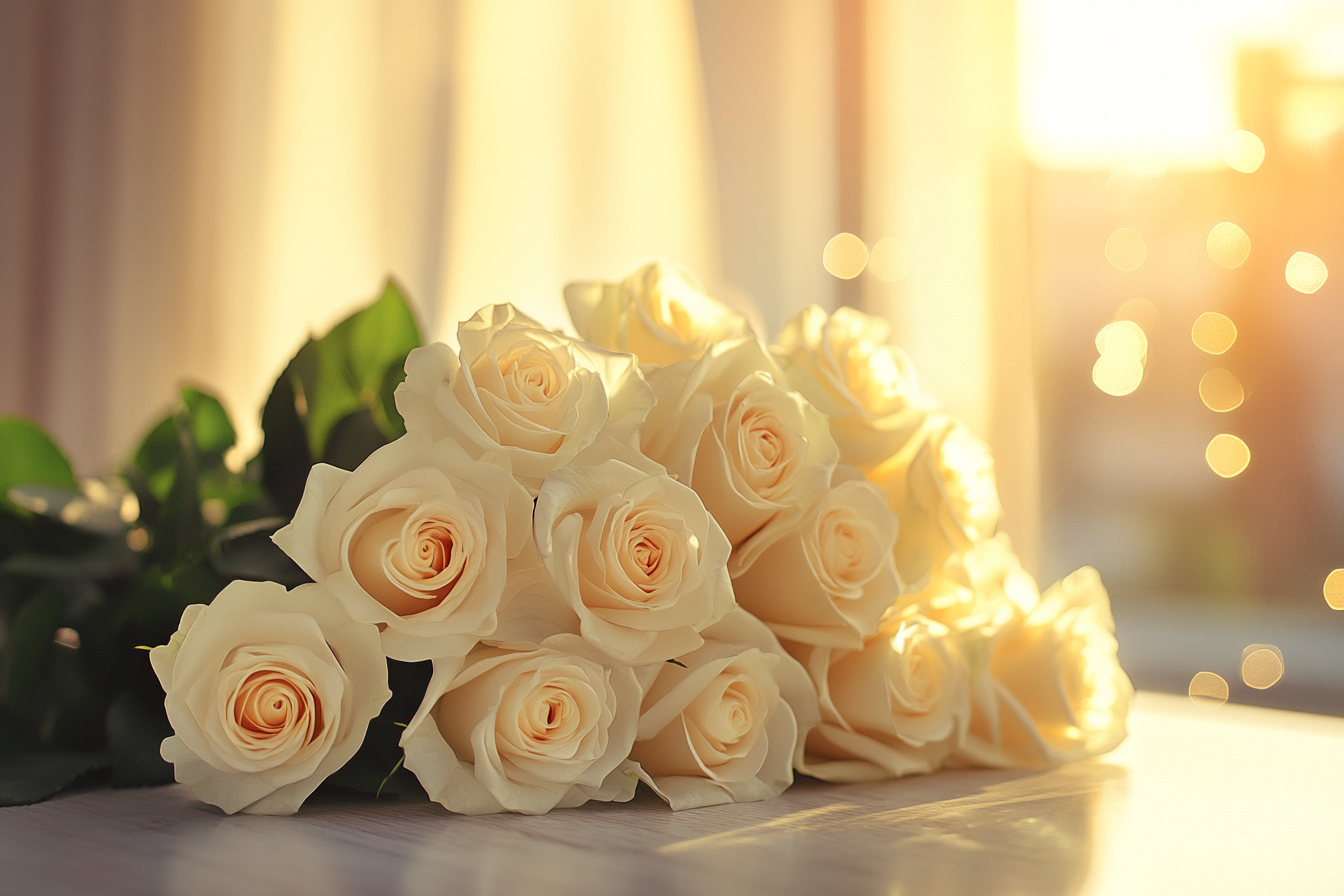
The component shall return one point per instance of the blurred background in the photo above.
(189, 187)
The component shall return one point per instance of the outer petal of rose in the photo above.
(873, 761)
(300, 537)
(591, 305)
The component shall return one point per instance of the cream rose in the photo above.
(978, 591)
(897, 707)
(842, 363)
(941, 486)
(1052, 690)
(634, 556)
(416, 540)
(526, 731)
(268, 693)
(754, 450)
(660, 313)
(536, 395)
(829, 581)
(725, 722)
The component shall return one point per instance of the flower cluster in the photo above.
(659, 552)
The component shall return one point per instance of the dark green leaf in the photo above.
(156, 458)
(180, 522)
(28, 455)
(108, 559)
(354, 439)
(210, 424)
(135, 729)
(380, 338)
(285, 458)
(256, 558)
(29, 647)
(27, 778)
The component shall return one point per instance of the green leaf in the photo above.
(210, 424)
(29, 646)
(285, 458)
(29, 455)
(180, 522)
(135, 730)
(380, 338)
(27, 778)
(353, 439)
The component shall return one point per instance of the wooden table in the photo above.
(1225, 801)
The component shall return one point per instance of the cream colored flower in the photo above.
(754, 450)
(829, 581)
(725, 723)
(536, 395)
(842, 363)
(526, 731)
(941, 486)
(979, 591)
(660, 313)
(416, 539)
(1052, 690)
(897, 707)
(635, 556)
(268, 693)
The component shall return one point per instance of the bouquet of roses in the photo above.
(658, 552)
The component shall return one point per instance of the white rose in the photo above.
(724, 723)
(754, 450)
(941, 486)
(978, 591)
(634, 556)
(660, 313)
(537, 395)
(525, 731)
(1052, 690)
(416, 540)
(897, 707)
(268, 693)
(842, 363)
(830, 581)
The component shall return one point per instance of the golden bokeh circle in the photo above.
(1228, 244)
(1123, 336)
(1244, 151)
(1117, 373)
(1261, 666)
(1334, 589)
(1221, 391)
(1227, 455)
(1214, 332)
(1305, 272)
(1208, 689)
(890, 259)
(1142, 311)
(1125, 249)
(845, 256)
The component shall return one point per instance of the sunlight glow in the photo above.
(1213, 332)
(1221, 391)
(1227, 455)
(1305, 272)
(1228, 244)
(1125, 249)
(1244, 151)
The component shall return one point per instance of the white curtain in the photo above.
(188, 189)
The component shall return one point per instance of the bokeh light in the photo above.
(890, 259)
(1244, 151)
(1208, 689)
(1125, 249)
(1261, 666)
(1227, 455)
(1334, 589)
(1123, 336)
(1140, 310)
(1228, 244)
(845, 256)
(1117, 373)
(1213, 332)
(1305, 272)
(1221, 391)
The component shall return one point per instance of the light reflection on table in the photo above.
(1234, 800)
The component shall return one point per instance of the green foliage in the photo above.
(67, 712)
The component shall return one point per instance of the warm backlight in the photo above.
(1305, 272)
(890, 259)
(1244, 151)
(1227, 455)
(1228, 244)
(1221, 391)
(845, 256)
(1214, 332)
(1125, 249)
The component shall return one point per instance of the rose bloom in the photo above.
(941, 486)
(754, 450)
(829, 581)
(526, 731)
(268, 693)
(660, 313)
(842, 363)
(978, 591)
(1052, 690)
(897, 707)
(635, 556)
(416, 540)
(537, 395)
(725, 723)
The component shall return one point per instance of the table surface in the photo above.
(1224, 801)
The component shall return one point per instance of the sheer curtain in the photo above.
(188, 188)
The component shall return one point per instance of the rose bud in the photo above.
(724, 723)
(268, 693)
(659, 313)
(416, 539)
(525, 731)
(536, 395)
(754, 450)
